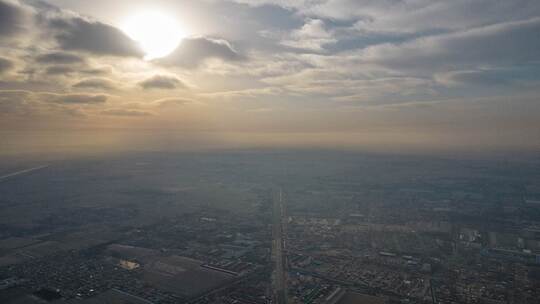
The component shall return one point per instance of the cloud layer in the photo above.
(426, 68)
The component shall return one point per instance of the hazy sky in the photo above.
(375, 74)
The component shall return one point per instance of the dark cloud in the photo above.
(97, 71)
(95, 83)
(5, 65)
(74, 98)
(66, 70)
(12, 19)
(94, 37)
(71, 31)
(59, 58)
(161, 82)
(193, 51)
(125, 112)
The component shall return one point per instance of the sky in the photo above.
(384, 75)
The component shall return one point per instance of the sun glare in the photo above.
(157, 33)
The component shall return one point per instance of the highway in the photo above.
(4, 177)
(280, 280)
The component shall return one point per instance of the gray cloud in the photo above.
(70, 30)
(97, 71)
(161, 82)
(95, 83)
(472, 77)
(12, 19)
(126, 112)
(5, 65)
(506, 43)
(410, 16)
(94, 37)
(73, 98)
(66, 70)
(194, 51)
(59, 58)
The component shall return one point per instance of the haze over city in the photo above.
(269, 151)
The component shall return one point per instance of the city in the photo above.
(323, 234)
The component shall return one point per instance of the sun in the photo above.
(157, 33)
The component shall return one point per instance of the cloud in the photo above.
(245, 93)
(194, 51)
(161, 82)
(5, 65)
(13, 19)
(429, 15)
(67, 70)
(171, 102)
(73, 98)
(70, 30)
(314, 56)
(410, 16)
(97, 71)
(471, 77)
(59, 70)
(313, 35)
(27, 103)
(35, 105)
(59, 58)
(95, 83)
(125, 112)
(506, 43)
(94, 37)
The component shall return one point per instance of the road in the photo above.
(4, 177)
(280, 280)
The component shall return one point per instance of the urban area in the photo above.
(272, 227)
